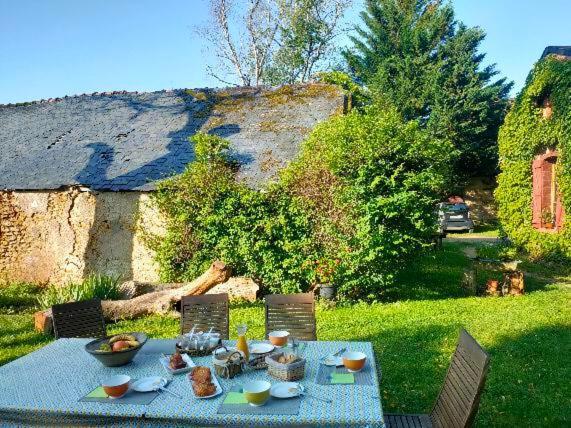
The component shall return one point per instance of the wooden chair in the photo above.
(459, 398)
(209, 310)
(79, 319)
(292, 312)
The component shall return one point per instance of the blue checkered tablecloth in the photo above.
(43, 389)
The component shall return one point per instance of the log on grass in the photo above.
(163, 301)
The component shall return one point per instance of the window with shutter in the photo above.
(547, 209)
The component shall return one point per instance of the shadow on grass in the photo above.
(413, 362)
(435, 275)
(438, 275)
(528, 383)
(17, 337)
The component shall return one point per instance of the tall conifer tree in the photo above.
(414, 55)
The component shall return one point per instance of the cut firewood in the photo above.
(43, 321)
(164, 300)
(515, 281)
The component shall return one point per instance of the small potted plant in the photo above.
(325, 270)
(547, 219)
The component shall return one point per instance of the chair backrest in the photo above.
(79, 319)
(206, 311)
(459, 398)
(292, 312)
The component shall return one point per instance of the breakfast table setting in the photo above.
(196, 380)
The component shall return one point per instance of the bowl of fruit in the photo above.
(117, 350)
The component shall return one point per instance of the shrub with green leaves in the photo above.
(94, 286)
(502, 251)
(210, 215)
(370, 182)
(525, 134)
(361, 194)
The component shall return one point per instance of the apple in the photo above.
(120, 345)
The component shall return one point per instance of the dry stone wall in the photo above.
(63, 235)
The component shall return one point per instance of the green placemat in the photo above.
(98, 392)
(234, 397)
(327, 375)
(98, 395)
(342, 378)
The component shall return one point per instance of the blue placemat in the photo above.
(234, 403)
(364, 377)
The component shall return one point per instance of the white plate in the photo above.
(189, 364)
(214, 381)
(261, 348)
(332, 361)
(282, 389)
(148, 384)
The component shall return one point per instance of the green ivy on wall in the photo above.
(525, 134)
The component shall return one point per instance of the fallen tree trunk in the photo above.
(163, 301)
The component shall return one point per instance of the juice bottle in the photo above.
(241, 343)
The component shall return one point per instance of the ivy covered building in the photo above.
(534, 186)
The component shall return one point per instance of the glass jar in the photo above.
(241, 343)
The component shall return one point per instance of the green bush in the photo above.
(524, 134)
(94, 286)
(359, 95)
(210, 215)
(501, 251)
(370, 182)
(360, 197)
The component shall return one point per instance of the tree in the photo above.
(414, 55)
(243, 56)
(307, 30)
(271, 41)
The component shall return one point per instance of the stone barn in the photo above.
(76, 172)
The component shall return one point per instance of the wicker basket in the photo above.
(258, 362)
(286, 372)
(228, 363)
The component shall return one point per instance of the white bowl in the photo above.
(116, 386)
(354, 361)
(278, 337)
(257, 392)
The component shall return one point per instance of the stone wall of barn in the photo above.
(479, 196)
(63, 235)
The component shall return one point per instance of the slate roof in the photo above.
(126, 141)
(557, 50)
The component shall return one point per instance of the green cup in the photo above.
(257, 392)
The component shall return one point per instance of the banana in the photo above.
(133, 343)
(125, 337)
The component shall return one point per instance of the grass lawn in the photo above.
(414, 331)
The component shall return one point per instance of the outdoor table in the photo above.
(44, 388)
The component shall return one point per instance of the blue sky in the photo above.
(64, 47)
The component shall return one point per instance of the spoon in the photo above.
(336, 354)
(158, 386)
(303, 393)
